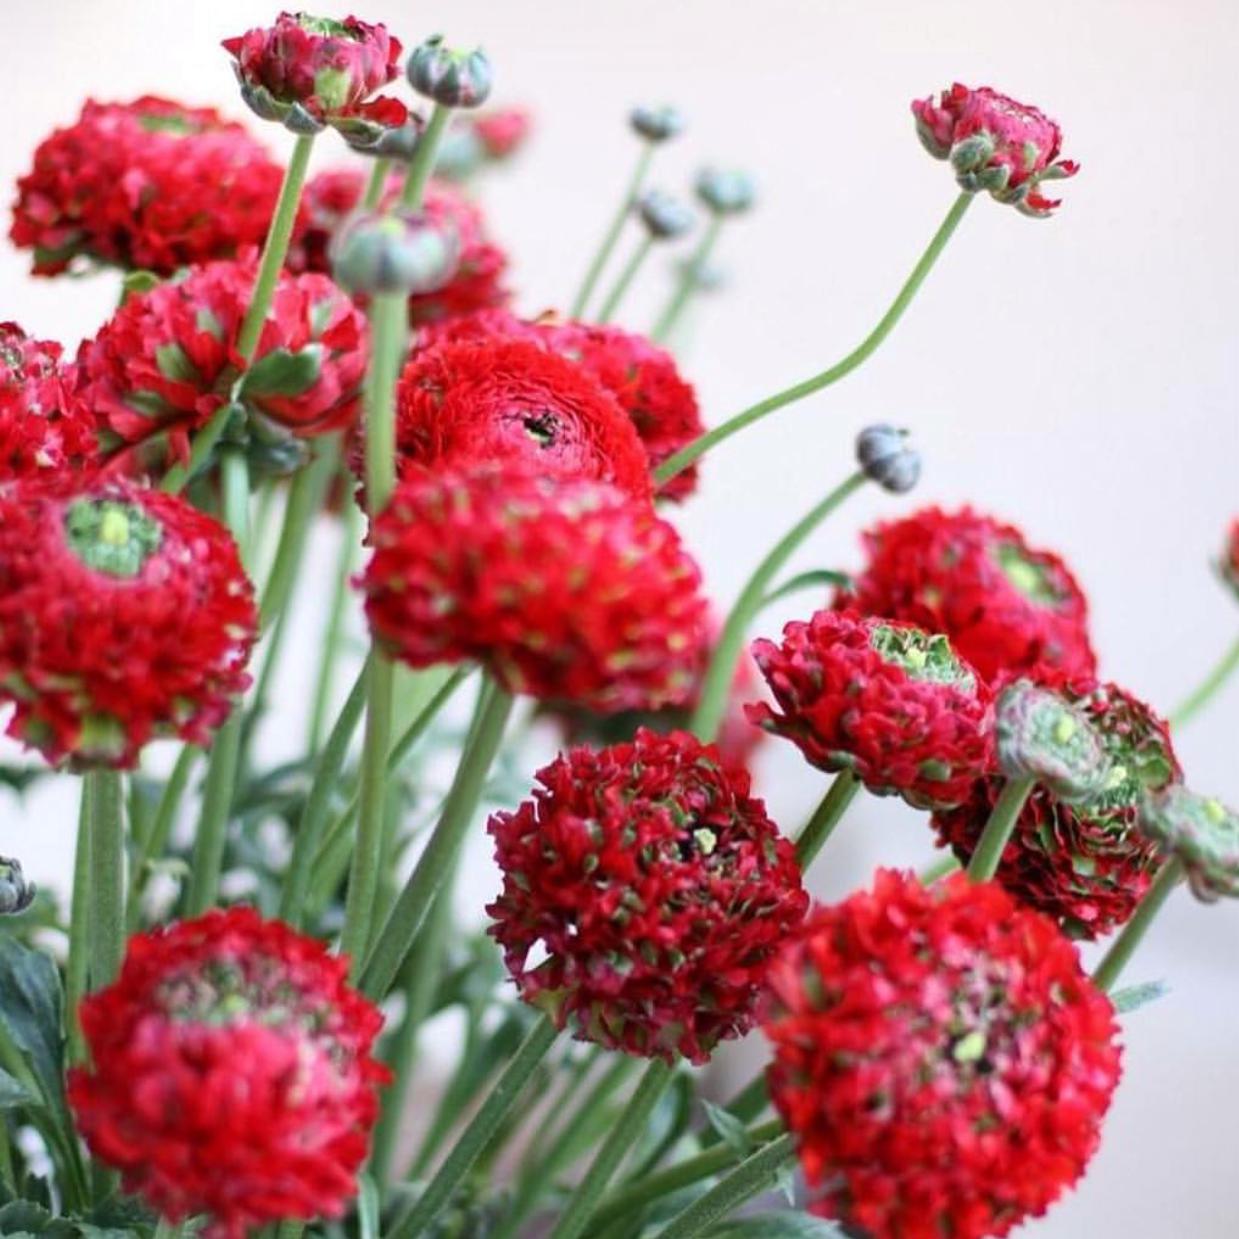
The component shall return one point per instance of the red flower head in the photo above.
(659, 889)
(510, 401)
(564, 588)
(125, 616)
(150, 184)
(1229, 563)
(995, 144)
(310, 71)
(231, 1074)
(892, 703)
(1008, 609)
(167, 359)
(44, 428)
(1085, 865)
(643, 378)
(501, 132)
(478, 283)
(941, 1058)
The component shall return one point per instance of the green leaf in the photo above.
(281, 373)
(14, 1094)
(667, 1126)
(18, 778)
(1133, 997)
(729, 1129)
(785, 1177)
(776, 1226)
(136, 282)
(368, 1207)
(174, 364)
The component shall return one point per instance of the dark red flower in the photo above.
(125, 616)
(941, 1058)
(510, 401)
(167, 359)
(1228, 565)
(151, 184)
(995, 144)
(1086, 865)
(1009, 609)
(563, 588)
(231, 1073)
(656, 886)
(44, 428)
(893, 703)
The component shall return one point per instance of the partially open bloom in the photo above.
(1043, 736)
(1008, 608)
(1201, 832)
(231, 1073)
(941, 1058)
(308, 71)
(658, 889)
(151, 184)
(894, 704)
(563, 588)
(1087, 865)
(167, 359)
(44, 428)
(125, 616)
(1228, 564)
(995, 144)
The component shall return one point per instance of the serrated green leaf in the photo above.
(729, 1129)
(282, 373)
(776, 1226)
(1133, 997)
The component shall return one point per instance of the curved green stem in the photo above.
(77, 964)
(834, 804)
(1133, 933)
(434, 864)
(687, 284)
(622, 285)
(481, 1129)
(1208, 688)
(575, 1219)
(712, 703)
(686, 455)
(423, 161)
(107, 877)
(156, 841)
(987, 855)
(350, 541)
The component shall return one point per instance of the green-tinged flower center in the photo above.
(1215, 811)
(1031, 579)
(111, 537)
(175, 123)
(327, 26)
(922, 656)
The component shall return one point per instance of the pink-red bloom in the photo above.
(151, 184)
(1228, 565)
(231, 1074)
(565, 589)
(995, 144)
(941, 1058)
(1086, 865)
(125, 615)
(1009, 609)
(658, 889)
(167, 360)
(884, 699)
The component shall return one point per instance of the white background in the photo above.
(1076, 375)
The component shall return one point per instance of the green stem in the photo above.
(987, 855)
(481, 1129)
(1208, 688)
(684, 1174)
(936, 870)
(350, 539)
(612, 234)
(375, 185)
(686, 455)
(834, 804)
(156, 841)
(622, 285)
(423, 161)
(388, 334)
(205, 441)
(753, 1175)
(1124, 946)
(687, 284)
(712, 703)
(434, 864)
(107, 877)
(575, 1219)
(76, 967)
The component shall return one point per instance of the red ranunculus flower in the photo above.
(1008, 609)
(658, 888)
(1086, 865)
(231, 1073)
(125, 615)
(478, 282)
(501, 131)
(1229, 563)
(44, 428)
(941, 1058)
(510, 401)
(151, 184)
(893, 703)
(564, 588)
(167, 359)
(995, 144)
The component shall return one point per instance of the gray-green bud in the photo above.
(885, 457)
(1202, 832)
(726, 192)
(394, 252)
(664, 217)
(16, 893)
(656, 124)
(450, 77)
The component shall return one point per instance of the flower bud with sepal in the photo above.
(726, 191)
(452, 78)
(1042, 736)
(16, 892)
(664, 217)
(885, 457)
(656, 124)
(1201, 832)
(394, 252)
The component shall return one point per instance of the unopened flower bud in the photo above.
(726, 192)
(452, 78)
(398, 251)
(706, 277)
(16, 893)
(886, 458)
(1202, 832)
(664, 216)
(1040, 735)
(383, 141)
(656, 124)
(1228, 561)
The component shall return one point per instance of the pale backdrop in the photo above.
(1075, 375)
